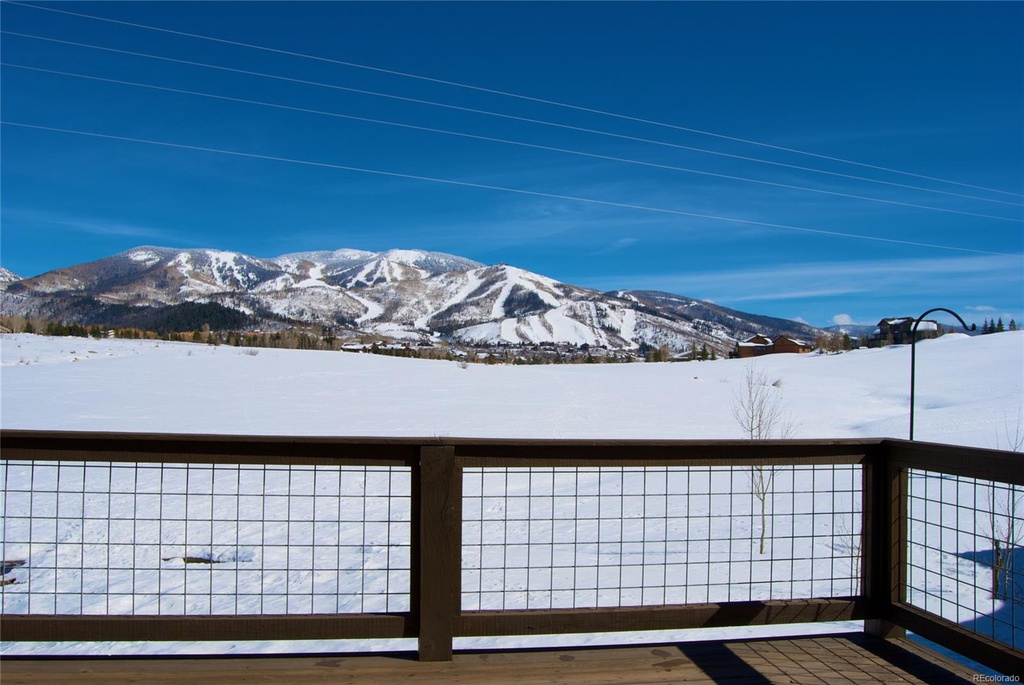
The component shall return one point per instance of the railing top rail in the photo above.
(668, 453)
(38, 445)
(248, 449)
(205, 449)
(443, 441)
(955, 460)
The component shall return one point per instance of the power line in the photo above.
(555, 103)
(502, 140)
(513, 117)
(482, 186)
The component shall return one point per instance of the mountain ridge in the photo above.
(410, 294)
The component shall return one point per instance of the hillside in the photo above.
(969, 392)
(408, 294)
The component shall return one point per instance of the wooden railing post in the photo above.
(439, 567)
(884, 549)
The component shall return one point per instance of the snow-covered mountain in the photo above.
(7, 277)
(710, 317)
(861, 331)
(349, 268)
(404, 293)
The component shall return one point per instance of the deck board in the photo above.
(854, 658)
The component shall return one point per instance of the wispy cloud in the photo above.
(775, 295)
(823, 279)
(616, 246)
(90, 225)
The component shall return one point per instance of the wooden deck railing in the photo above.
(466, 537)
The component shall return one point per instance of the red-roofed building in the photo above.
(759, 345)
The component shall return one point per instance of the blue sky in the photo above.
(932, 89)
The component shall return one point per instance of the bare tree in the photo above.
(1006, 520)
(761, 413)
(1014, 438)
(1006, 533)
(832, 343)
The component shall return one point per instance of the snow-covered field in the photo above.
(969, 391)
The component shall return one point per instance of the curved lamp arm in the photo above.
(913, 353)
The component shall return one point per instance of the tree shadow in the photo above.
(1006, 623)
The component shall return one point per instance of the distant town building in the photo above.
(759, 345)
(899, 331)
(783, 344)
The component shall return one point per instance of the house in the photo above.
(758, 345)
(899, 331)
(785, 344)
(754, 346)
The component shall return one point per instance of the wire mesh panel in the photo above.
(182, 539)
(539, 538)
(965, 553)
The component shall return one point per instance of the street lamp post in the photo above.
(913, 353)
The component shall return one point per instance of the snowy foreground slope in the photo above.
(969, 392)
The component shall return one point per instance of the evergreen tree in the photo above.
(999, 326)
(1013, 325)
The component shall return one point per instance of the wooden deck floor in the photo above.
(851, 658)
